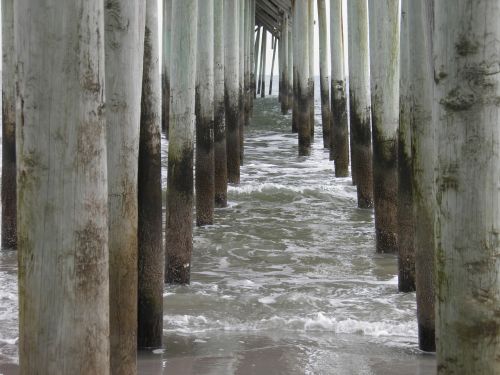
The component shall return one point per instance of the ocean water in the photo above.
(286, 281)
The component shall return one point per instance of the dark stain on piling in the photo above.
(90, 259)
(426, 338)
(405, 216)
(385, 189)
(150, 257)
(88, 141)
(284, 92)
(441, 278)
(477, 331)
(339, 140)
(325, 116)
(295, 111)
(303, 119)
(438, 77)
(183, 172)
(311, 106)
(9, 185)
(150, 253)
(220, 157)
(458, 100)
(361, 152)
(204, 165)
(385, 150)
(241, 122)
(232, 138)
(427, 274)
(449, 178)
(114, 23)
(179, 218)
(479, 77)
(465, 46)
(165, 103)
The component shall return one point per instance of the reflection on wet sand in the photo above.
(280, 354)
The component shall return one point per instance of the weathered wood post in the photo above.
(248, 48)
(151, 255)
(166, 41)
(359, 99)
(62, 182)
(339, 140)
(424, 158)
(310, 45)
(124, 46)
(231, 90)
(256, 76)
(220, 164)
(384, 77)
(241, 76)
(204, 111)
(301, 79)
(259, 68)
(253, 52)
(284, 48)
(263, 53)
(179, 234)
(9, 235)
(280, 63)
(272, 66)
(323, 73)
(290, 67)
(466, 49)
(406, 222)
(295, 45)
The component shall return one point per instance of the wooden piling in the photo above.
(339, 141)
(166, 41)
(204, 111)
(63, 201)
(124, 58)
(256, 63)
(241, 76)
(384, 75)
(466, 85)
(323, 73)
(259, 83)
(151, 256)
(359, 99)
(263, 63)
(8, 190)
(405, 207)
(310, 45)
(301, 79)
(284, 66)
(220, 163)
(424, 159)
(179, 233)
(272, 66)
(248, 48)
(253, 52)
(295, 108)
(231, 90)
(280, 66)
(290, 67)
